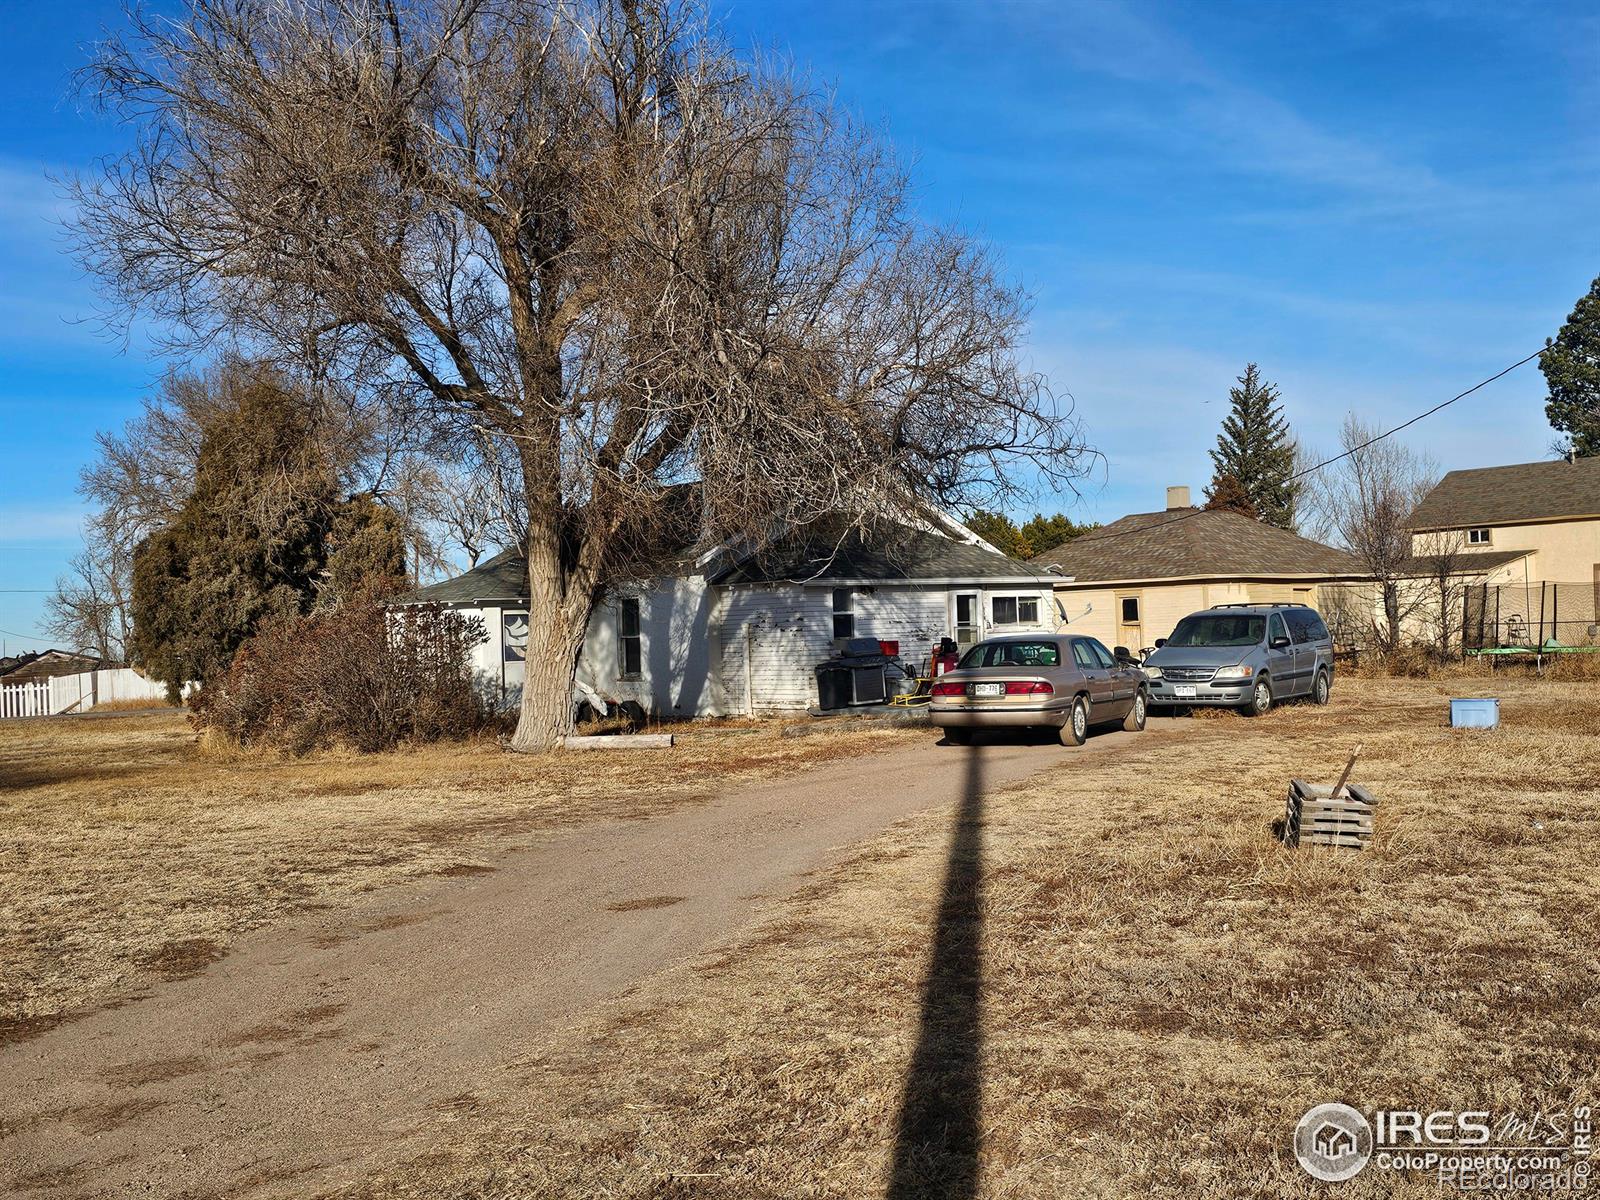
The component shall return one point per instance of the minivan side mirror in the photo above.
(1160, 642)
(1278, 643)
(1121, 652)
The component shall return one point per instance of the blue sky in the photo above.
(1380, 203)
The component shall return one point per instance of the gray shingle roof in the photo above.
(902, 555)
(1522, 492)
(1465, 562)
(911, 554)
(503, 577)
(1186, 542)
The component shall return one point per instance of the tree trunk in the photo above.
(558, 618)
(1391, 616)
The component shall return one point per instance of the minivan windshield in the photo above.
(1214, 629)
(1013, 654)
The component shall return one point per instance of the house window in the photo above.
(1477, 537)
(1130, 610)
(844, 613)
(1015, 610)
(514, 636)
(630, 639)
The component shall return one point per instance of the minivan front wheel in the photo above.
(1321, 689)
(1260, 699)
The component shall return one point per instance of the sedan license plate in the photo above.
(988, 689)
(1183, 691)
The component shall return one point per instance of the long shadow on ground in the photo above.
(937, 1141)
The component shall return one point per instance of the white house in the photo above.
(734, 635)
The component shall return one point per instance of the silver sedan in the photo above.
(1065, 682)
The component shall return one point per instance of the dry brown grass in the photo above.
(128, 853)
(1165, 989)
(1416, 663)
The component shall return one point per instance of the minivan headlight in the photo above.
(1241, 671)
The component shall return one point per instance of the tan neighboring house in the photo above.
(1532, 522)
(1531, 534)
(1131, 582)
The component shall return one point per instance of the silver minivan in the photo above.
(1244, 656)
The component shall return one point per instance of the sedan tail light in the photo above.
(946, 688)
(1038, 688)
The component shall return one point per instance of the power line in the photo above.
(27, 637)
(1111, 537)
(1420, 416)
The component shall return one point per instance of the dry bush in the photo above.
(359, 675)
(1573, 666)
(1415, 662)
(1422, 662)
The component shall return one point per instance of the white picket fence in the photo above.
(31, 699)
(77, 693)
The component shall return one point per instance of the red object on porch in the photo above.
(892, 649)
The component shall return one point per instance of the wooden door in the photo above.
(1130, 620)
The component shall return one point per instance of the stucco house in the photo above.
(1130, 582)
(1527, 522)
(729, 633)
(1528, 537)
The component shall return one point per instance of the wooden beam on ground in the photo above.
(1338, 788)
(620, 741)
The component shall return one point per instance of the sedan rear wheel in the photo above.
(1137, 714)
(958, 737)
(1076, 730)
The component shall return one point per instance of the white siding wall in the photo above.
(767, 638)
(675, 679)
(785, 630)
(728, 651)
(675, 675)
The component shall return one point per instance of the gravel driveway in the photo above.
(323, 1047)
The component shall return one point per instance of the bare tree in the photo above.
(1369, 496)
(463, 507)
(1313, 513)
(89, 609)
(583, 229)
(1443, 571)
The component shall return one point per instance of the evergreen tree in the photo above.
(999, 530)
(366, 550)
(1571, 369)
(264, 533)
(1257, 449)
(1034, 536)
(1228, 494)
(1046, 533)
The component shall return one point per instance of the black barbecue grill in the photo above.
(861, 673)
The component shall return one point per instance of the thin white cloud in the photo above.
(31, 526)
(1195, 110)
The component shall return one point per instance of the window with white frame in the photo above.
(844, 613)
(630, 638)
(1014, 610)
(1478, 537)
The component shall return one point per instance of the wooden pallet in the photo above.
(1312, 815)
